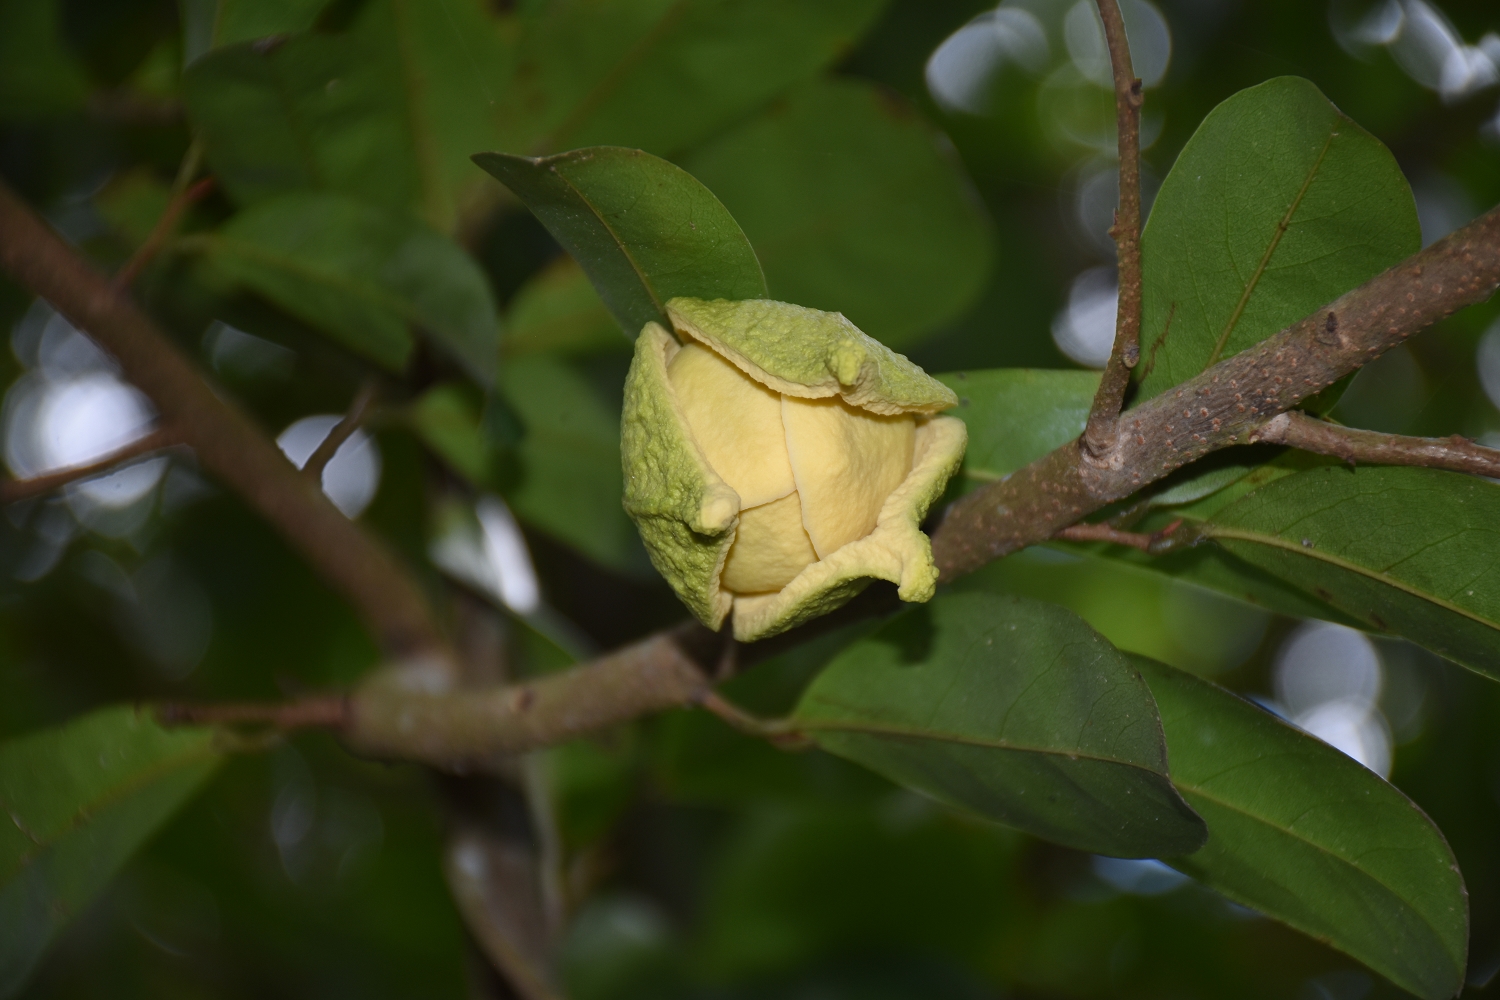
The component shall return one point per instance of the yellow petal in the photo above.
(736, 422)
(845, 461)
(770, 548)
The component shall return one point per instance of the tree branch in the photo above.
(1458, 454)
(13, 490)
(1099, 436)
(1226, 403)
(226, 440)
(341, 432)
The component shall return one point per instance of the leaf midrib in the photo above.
(1276, 237)
(1216, 531)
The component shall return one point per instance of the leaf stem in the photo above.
(1099, 435)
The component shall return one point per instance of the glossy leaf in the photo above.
(1013, 709)
(1017, 415)
(662, 75)
(1309, 836)
(569, 480)
(853, 207)
(558, 310)
(387, 110)
(80, 800)
(1277, 205)
(645, 231)
(447, 419)
(363, 275)
(1411, 551)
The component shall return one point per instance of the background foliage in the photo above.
(350, 237)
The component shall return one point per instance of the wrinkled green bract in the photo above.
(1015, 710)
(1277, 205)
(79, 800)
(1313, 838)
(1404, 550)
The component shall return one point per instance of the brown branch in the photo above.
(1458, 454)
(225, 439)
(12, 490)
(1225, 404)
(465, 729)
(324, 712)
(1100, 434)
(341, 432)
(183, 199)
(1153, 543)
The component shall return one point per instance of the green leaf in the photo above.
(1011, 708)
(447, 419)
(663, 75)
(644, 230)
(39, 77)
(1405, 550)
(363, 275)
(853, 207)
(1017, 415)
(80, 800)
(570, 483)
(1278, 204)
(388, 110)
(210, 24)
(1309, 836)
(558, 310)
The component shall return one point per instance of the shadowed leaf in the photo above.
(1309, 836)
(1013, 709)
(80, 800)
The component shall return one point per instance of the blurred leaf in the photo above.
(388, 110)
(645, 231)
(81, 799)
(1017, 415)
(663, 75)
(210, 24)
(853, 207)
(446, 418)
(1313, 838)
(570, 480)
(1277, 205)
(558, 310)
(889, 877)
(39, 77)
(363, 275)
(1014, 709)
(1405, 550)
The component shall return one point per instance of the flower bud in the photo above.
(777, 459)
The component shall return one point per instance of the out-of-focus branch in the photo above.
(1458, 454)
(12, 490)
(1099, 436)
(341, 432)
(184, 194)
(225, 439)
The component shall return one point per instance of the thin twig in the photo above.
(12, 490)
(778, 731)
(184, 195)
(1458, 454)
(329, 446)
(324, 712)
(1100, 433)
(1153, 544)
(226, 441)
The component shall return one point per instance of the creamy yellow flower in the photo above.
(777, 459)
